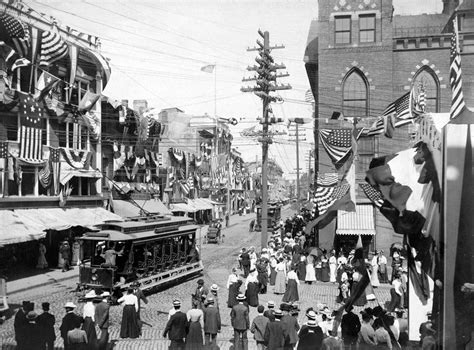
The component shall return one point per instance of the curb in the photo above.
(50, 280)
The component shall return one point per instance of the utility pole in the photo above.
(298, 194)
(266, 83)
(310, 153)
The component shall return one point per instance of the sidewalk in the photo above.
(41, 279)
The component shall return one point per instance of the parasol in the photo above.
(316, 251)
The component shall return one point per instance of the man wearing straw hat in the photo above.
(240, 322)
(33, 332)
(176, 327)
(275, 333)
(69, 322)
(102, 320)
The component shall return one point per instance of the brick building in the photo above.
(359, 58)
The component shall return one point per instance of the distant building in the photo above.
(359, 58)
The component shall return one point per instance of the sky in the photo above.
(157, 49)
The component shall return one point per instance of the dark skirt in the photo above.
(194, 338)
(262, 278)
(362, 299)
(252, 294)
(395, 301)
(302, 271)
(291, 293)
(89, 328)
(234, 290)
(325, 273)
(273, 276)
(319, 273)
(78, 346)
(130, 327)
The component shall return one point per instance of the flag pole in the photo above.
(215, 91)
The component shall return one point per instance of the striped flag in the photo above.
(327, 179)
(401, 107)
(325, 197)
(455, 75)
(46, 82)
(337, 143)
(373, 194)
(53, 48)
(308, 96)
(31, 128)
(184, 187)
(44, 175)
(421, 100)
(16, 33)
(54, 158)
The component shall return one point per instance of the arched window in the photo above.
(427, 80)
(355, 97)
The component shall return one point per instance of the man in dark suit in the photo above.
(291, 326)
(241, 323)
(33, 332)
(102, 320)
(212, 322)
(270, 312)
(311, 337)
(245, 261)
(46, 321)
(200, 295)
(350, 327)
(275, 333)
(19, 324)
(177, 327)
(70, 321)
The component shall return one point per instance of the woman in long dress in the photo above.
(310, 272)
(273, 264)
(234, 290)
(383, 276)
(374, 275)
(332, 267)
(42, 263)
(194, 339)
(291, 293)
(324, 267)
(319, 268)
(302, 268)
(130, 327)
(252, 288)
(280, 281)
(89, 321)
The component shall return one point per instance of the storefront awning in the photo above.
(360, 222)
(128, 209)
(182, 207)
(200, 204)
(22, 225)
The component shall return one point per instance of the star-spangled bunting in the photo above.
(327, 179)
(44, 175)
(324, 197)
(337, 143)
(455, 76)
(15, 32)
(373, 194)
(3, 150)
(31, 129)
(53, 48)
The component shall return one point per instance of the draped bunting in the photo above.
(76, 158)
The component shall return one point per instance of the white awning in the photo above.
(69, 174)
(128, 209)
(359, 222)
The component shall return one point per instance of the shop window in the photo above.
(82, 186)
(367, 28)
(355, 94)
(342, 29)
(427, 80)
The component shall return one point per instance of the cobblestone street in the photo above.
(217, 259)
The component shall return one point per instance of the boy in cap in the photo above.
(212, 322)
(275, 333)
(240, 322)
(70, 320)
(177, 326)
(259, 325)
(46, 321)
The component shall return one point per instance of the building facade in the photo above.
(359, 58)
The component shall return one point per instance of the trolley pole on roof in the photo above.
(266, 83)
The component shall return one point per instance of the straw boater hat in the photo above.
(240, 297)
(176, 302)
(312, 324)
(278, 313)
(271, 304)
(105, 294)
(311, 315)
(70, 304)
(214, 287)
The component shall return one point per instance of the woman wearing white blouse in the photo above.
(130, 327)
(89, 319)
(291, 293)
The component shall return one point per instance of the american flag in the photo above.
(16, 32)
(31, 128)
(54, 154)
(53, 48)
(455, 75)
(337, 143)
(327, 179)
(401, 107)
(12, 59)
(44, 175)
(373, 194)
(184, 187)
(324, 197)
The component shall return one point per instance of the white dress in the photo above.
(332, 269)
(310, 271)
(374, 276)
